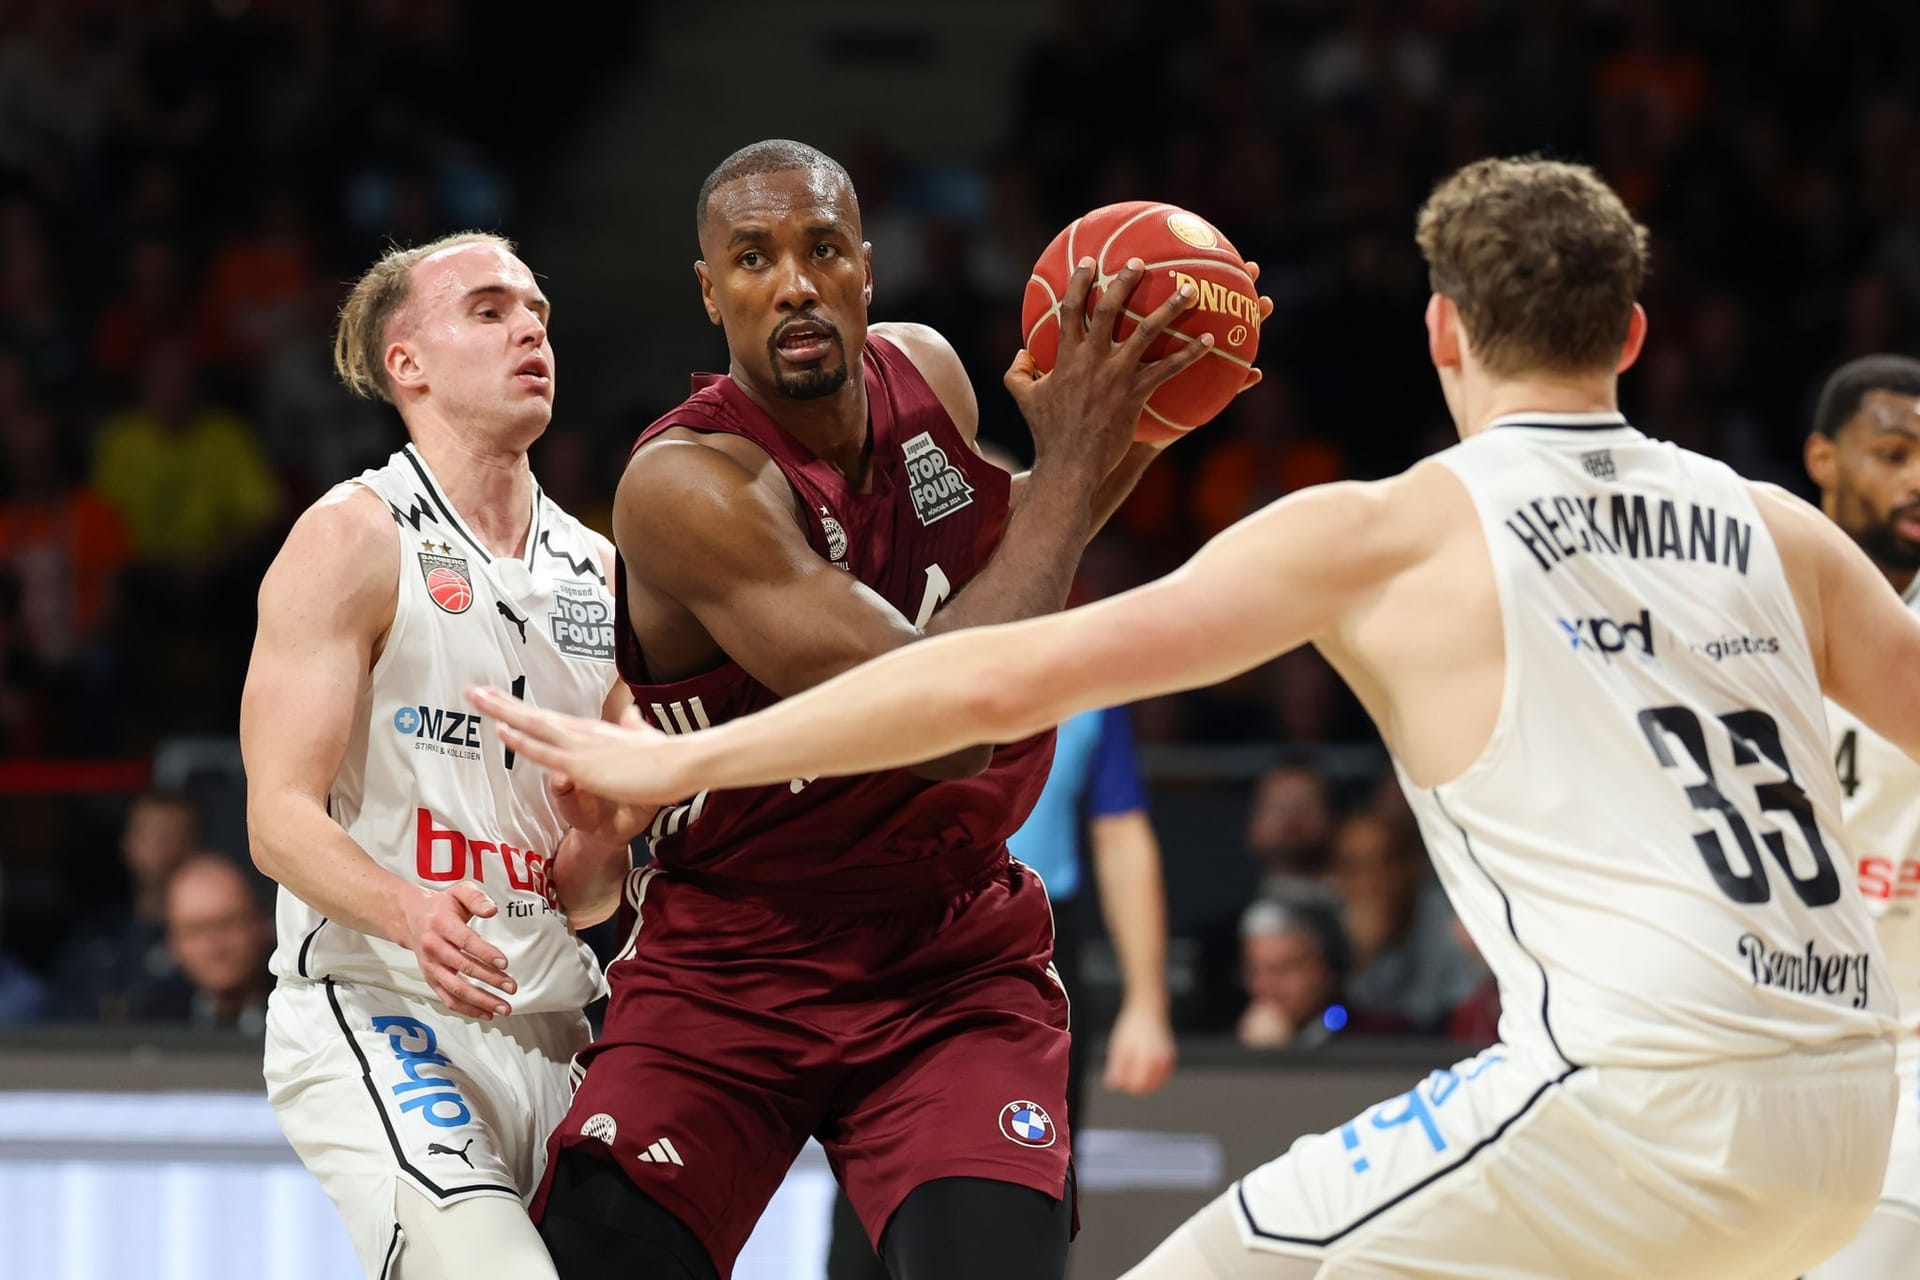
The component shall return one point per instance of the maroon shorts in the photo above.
(926, 1042)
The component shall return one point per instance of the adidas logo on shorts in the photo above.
(662, 1152)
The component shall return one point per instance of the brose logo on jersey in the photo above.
(1608, 636)
(435, 729)
(442, 854)
(938, 489)
(582, 622)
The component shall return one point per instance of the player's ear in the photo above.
(1822, 459)
(1443, 332)
(706, 291)
(866, 257)
(1636, 339)
(403, 365)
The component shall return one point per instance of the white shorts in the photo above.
(1508, 1166)
(373, 1088)
(1901, 1194)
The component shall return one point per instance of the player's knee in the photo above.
(599, 1226)
(957, 1228)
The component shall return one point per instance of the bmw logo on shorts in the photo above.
(1028, 1124)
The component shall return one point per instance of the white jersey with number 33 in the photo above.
(426, 788)
(1648, 850)
(1880, 800)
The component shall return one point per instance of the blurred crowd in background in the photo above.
(186, 186)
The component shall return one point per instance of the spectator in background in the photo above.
(1293, 962)
(189, 479)
(219, 937)
(23, 996)
(116, 967)
(1290, 826)
(66, 547)
(1406, 962)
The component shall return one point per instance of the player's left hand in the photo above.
(628, 763)
(1139, 1050)
(1266, 313)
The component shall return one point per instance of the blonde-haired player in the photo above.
(429, 992)
(1864, 453)
(1598, 662)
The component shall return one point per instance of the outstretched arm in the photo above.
(1274, 581)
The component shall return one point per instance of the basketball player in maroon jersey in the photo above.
(852, 959)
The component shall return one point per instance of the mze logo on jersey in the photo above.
(1608, 636)
(442, 854)
(436, 1098)
(582, 628)
(447, 733)
(937, 487)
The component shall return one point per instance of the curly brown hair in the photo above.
(1542, 259)
(359, 341)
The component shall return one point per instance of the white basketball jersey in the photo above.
(426, 788)
(1880, 802)
(1647, 852)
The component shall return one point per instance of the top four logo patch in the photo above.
(447, 579)
(1028, 1124)
(937, 487)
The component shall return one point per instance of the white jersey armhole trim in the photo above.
(1505, 716)
(397, 625)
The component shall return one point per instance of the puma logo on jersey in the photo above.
(436, 1149)
(509, 615)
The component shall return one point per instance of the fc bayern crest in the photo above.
(836, 536)
(447, 582)
(1028, 1124)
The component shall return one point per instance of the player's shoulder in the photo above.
(344, 547)
(935, 360)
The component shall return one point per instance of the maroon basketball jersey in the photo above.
(932, 519)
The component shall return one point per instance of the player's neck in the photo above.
(1901, 579)
(834, 428)
(491, 488)
(1545, 393)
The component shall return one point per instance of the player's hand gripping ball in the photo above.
(1178, 248)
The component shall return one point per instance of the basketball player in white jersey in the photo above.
(1598, 662)
(1864, 453)
(430, 988)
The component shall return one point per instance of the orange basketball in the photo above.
(1178, 248)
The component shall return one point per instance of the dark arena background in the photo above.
(188, 186)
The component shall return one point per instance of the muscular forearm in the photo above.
(296, 844)
(1133, 902)
(1032, 569)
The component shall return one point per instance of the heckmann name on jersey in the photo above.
(1628, 527)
